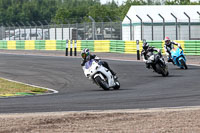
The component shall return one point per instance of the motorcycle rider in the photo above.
(86, 56)
(169, 45)
(147, 52)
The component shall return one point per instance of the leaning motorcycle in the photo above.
(178, 58)
(94, 70)
(157, 63)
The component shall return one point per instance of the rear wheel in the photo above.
(183, 64)
(102, 83)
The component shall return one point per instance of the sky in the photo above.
(119, 1)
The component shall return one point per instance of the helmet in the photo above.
(85, 53)
(167, 40)
(145, 46)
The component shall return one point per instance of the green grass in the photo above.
(9, 88)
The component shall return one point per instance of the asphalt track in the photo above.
(140, 88)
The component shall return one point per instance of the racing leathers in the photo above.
(147, 53)
(104, 63)
(168, 47)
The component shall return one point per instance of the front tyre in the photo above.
(117, 86)
(162, 70)
(103, 84)
(183, 64)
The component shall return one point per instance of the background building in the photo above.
(179, 22)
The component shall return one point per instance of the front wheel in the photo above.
(162, 70)
(183, 64)
(102, 83)
(117, 86)
(165, 74)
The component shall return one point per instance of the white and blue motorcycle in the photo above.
(94, 70)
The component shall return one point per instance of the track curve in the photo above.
(140, 88)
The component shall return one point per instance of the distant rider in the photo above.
(147, 52)
(86, 56)
(169, 45)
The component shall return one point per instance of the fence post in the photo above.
(66, 52)
(14, 29)
(62, 29)
(24, 30)
(30, 29)
(176, 26)
(110, 26)
(131, 32)
(151, 25)
(35, 28)
(19, 30)
(189, 25)
(93, 27)
(163, 25)
(138, 49)
(55, 26)
(42, 29)
(9, 31)
(141, 26)
(75, 46)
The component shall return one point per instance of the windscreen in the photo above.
(88, 64)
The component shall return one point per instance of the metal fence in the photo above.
(176, 30)
(188, 29)
(77, 31)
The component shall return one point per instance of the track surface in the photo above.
(140, 88)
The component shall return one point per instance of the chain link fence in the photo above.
(77, 31)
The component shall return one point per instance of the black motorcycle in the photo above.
(157, 63)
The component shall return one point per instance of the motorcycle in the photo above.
(157, 63)
(179, 58)
(94, 70)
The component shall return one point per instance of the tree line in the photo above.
(24, 12)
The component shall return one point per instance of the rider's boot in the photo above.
(147, 65)
(114, 74)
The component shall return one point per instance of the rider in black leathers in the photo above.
(147, 52)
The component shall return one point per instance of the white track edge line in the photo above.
(54, 91)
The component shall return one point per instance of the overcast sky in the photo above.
(119, 1)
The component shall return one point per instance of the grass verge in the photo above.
(11, 88)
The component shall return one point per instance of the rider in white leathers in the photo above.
(147, 51)
(86, 56)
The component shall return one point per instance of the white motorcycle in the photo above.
(100, 75)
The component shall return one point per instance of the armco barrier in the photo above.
(191, 47)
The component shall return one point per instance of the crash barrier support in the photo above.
(75, 48)
(191, 47)
(138, 50)
(70, 50)
(71, 45)
(66, 50)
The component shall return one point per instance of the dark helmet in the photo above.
(85, 53)
(145, 46)
(167, 40)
